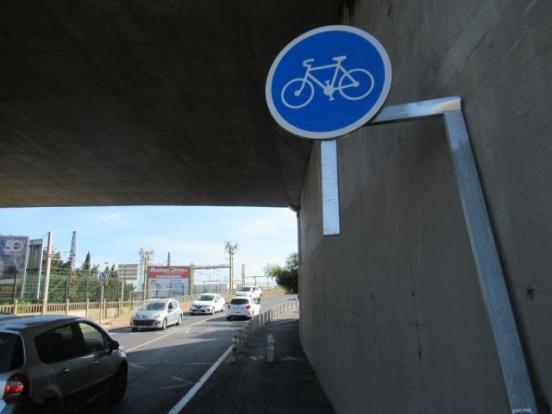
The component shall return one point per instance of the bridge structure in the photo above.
(162, 103)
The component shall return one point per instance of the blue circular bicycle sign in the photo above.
(328, 82)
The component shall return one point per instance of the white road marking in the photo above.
(190, 394)
(164, 335)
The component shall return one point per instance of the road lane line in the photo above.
(165, 335)
(190, 394)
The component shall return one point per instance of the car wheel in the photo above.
(133, 329)
(213, 310)
(179, 320)
(51, 407)
(228, 318)
(117, 391)
(164, 326)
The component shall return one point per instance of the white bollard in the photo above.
(235, 344)
(270, 348)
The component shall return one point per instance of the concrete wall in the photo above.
(391, 315)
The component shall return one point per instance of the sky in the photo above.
(191, 234)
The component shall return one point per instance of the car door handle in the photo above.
(65, 371)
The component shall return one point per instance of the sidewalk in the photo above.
(253, 385)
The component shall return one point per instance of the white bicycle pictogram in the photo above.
(353, 85)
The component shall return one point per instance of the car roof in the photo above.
(23, 323)
(241, 298)
(209, 293)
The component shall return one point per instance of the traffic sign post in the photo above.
(103, 279)
(333, 80)
(328, 82)
(324, 84)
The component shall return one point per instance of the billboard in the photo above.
(166, 281)
(13, 259)
(127, 272)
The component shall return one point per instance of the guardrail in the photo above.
(239, 341)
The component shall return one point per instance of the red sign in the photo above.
(168, 272)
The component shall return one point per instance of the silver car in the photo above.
(157, 313)
(50, 364)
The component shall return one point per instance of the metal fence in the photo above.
(100, 311)
(80, 286)
(77, 286)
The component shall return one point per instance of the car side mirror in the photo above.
(113, 345)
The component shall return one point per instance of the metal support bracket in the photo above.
(489, 270)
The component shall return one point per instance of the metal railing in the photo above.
(239, 340)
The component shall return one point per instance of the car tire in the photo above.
(179, 321)
(213, 310)
(228, 318)
(133, 329)
(164, 326)
(118, 388)
(51, 407)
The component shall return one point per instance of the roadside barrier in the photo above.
(270, 348)
(258, 321)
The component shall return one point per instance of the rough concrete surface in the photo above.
(147, 102)
(392, 316)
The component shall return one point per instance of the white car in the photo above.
(249, 291)
(242, 307)
(157, 313)
(210, 303)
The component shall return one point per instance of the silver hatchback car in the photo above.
(50, 364)
(157, 313)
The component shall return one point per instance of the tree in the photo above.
(288, 276)
(86, 263)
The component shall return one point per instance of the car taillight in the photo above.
(17, 387)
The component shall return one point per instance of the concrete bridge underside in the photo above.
(147, 102)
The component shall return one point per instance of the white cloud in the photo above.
(269, 223)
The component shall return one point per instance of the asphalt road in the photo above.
(164, 365)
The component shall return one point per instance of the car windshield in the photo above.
(239, 301)
(245, 289)
(11, 352)
(206, 298)
(153, 306)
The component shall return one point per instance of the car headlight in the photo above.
(157, 316)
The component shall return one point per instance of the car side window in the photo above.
(94, 340)
(60, 344)
(171, 307)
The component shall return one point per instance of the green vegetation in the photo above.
(287, 277)
(77, 285)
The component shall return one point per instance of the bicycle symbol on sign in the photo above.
(353, 85)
